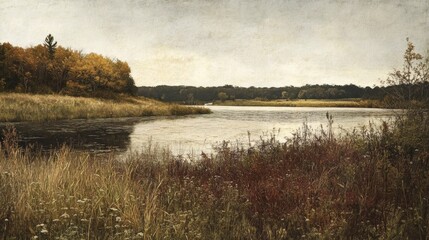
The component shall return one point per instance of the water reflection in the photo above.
(96, 135)
(191, 134)
(199, 133)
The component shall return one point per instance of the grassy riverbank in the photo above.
(303, 103)
(371, 183)
(29, 107)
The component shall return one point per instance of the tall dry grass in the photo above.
(25, 107)
(365, 184)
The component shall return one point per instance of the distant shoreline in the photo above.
(354, 103)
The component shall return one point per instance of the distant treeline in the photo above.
(191, 95)
(404, 87)
(49, 68)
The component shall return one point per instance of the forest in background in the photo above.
(196, 95)
(402, 86)
(50, 68)
(190, 94)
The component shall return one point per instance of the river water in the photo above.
(190, 134)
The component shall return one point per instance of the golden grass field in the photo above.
(28, 107)
(303, 103)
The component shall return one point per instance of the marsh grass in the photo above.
(364, 184)
(304, 103)
(25, 107)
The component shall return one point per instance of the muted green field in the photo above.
(304, 103)
(27, 107)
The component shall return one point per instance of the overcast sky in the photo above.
(243, 43)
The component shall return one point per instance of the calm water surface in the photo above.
(191, 134)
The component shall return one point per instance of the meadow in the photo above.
(16, 107)
(352, 102)
(369, 183)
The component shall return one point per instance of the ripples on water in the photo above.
(190, 134)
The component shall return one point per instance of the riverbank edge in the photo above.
(353, 103)
(20, 107)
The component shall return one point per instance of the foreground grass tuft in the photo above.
(364, 185)
(25, 107)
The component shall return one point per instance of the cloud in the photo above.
(203, 42)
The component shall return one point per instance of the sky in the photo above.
(267, 43)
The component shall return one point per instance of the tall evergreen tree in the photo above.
(51, 45)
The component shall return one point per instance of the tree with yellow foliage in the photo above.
(50, 68)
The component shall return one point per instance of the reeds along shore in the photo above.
(28, 107)
(353, 103)
(370, 183)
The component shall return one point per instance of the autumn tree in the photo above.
(93, 74)
(122, 81)
(61, 66)
(408, 90)
(50, 68)
(18, 69)
(408, 87)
